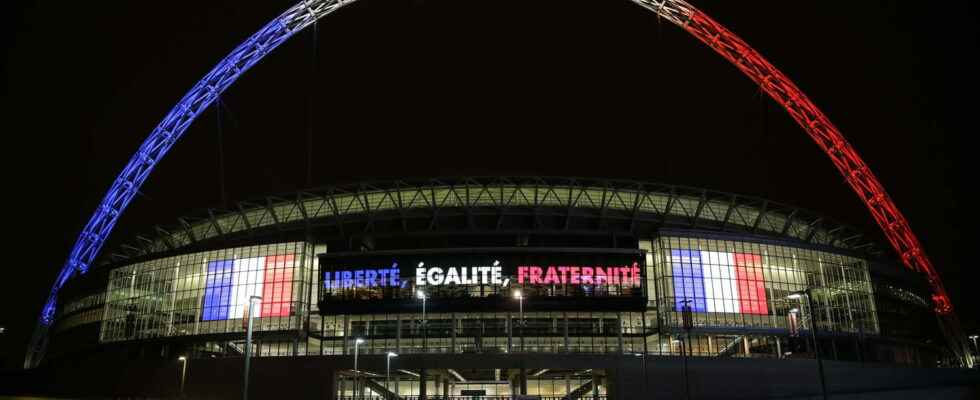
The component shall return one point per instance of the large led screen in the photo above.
(230, 283)
(713, 281)
(571, 273)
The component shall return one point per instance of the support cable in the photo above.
(311, 107)
(221, 157)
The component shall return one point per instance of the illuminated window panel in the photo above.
(751, 285)
(277, 296)
(688, 280)
(723, 282)
(217, 293)
(720, 289)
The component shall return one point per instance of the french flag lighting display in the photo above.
(713, 281)
(230, 283)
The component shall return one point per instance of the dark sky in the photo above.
(455, 87)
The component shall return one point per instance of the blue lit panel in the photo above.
(688, 280)
(217, 290)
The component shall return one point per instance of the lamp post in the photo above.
(357, 393)
(183, 373)
(420, 294)
(643, 368)
(976, 350)
(813, 333)
(388, 371)
(687, 322)
(248, 342)
(520, 320)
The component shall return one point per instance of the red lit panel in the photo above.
(277, 294)
(751, 285)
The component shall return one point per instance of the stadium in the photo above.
(546, 280)
(500, 287)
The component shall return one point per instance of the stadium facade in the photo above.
(498, 286)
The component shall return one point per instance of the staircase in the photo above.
(579, 391)
(380, 390)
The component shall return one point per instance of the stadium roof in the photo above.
(626, 201)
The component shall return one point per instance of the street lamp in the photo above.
(248, 341)
(643, 364)
(975, 348)
(420, 294)
(357, 342)
(520, 297)
(687, 322)
(813, 333)
(183, 373)
(520, 300)
(388, 371)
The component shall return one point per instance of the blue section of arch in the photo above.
(173, 126)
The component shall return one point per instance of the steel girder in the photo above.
(672, 204)
(679, 12)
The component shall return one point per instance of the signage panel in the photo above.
(497, 269)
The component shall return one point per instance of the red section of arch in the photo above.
(830, 140)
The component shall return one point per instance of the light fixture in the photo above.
(358, 340)
(420, 294)
(518, 294)
(392, 354)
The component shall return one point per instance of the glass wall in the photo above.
(738, 293)
(208, 293)
(729, 284)
(80, 311)
(488, 332)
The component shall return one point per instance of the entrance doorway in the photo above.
(473, 384)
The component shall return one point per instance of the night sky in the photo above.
(425, 88)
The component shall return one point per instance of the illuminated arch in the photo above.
(679, 12)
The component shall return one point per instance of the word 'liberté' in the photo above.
(384, 277)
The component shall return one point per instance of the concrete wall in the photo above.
(313, 377)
